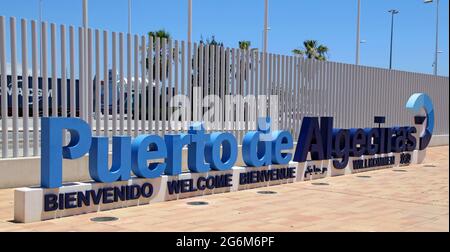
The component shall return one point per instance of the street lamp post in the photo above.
(40, 37)
(85, 14)
(358, 32)
(129, 16)
(189, 35)
(393, 12)
(40, 11)
(436, 52)
(262, 33)
(266, 24)
(83, 77)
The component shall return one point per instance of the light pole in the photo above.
(189, 35)
(358, 32)
(40, 11)
(129, 16)
(85, 14)
(263, 32)
(266, 24)
(85, 82)
(393, 12)
(40, 36)
(436, 52)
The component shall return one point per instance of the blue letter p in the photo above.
(52, 151)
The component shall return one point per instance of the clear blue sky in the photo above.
(331, 22)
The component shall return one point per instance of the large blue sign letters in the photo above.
(318, 140)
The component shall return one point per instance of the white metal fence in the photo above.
(123, 84)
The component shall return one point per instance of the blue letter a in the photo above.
(309, 140)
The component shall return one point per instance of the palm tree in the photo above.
(159, 34)
(312, 50)
(210, 41)
(244, 45)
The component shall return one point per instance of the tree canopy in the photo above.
(159, 34)
(210, 41)
(244, 44)
(312, 50)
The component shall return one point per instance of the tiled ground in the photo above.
(415, 199)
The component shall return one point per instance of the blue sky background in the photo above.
(331, 22)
